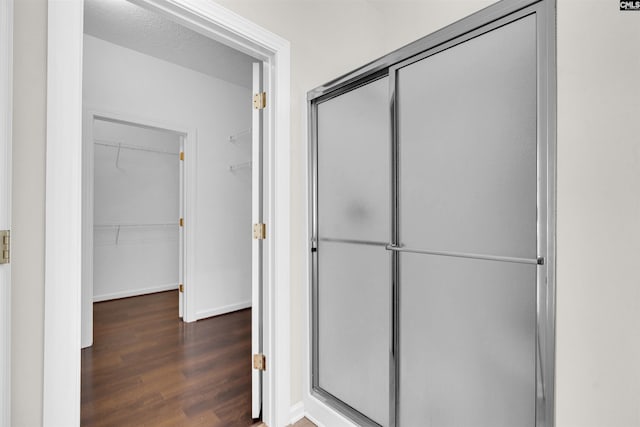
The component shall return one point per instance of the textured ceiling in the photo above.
(130, 26)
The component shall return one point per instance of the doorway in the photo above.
(173, 188)
(63, 270)
(137, 203)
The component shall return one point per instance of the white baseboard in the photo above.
(322, 415)
(222, 310)
(135, 292)
(314, 420)
(296, 413)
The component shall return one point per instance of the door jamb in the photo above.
(63, 208)
(90, 113)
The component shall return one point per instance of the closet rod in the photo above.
(168, 224)
(107, 143)
(118, 227)
(234, 137)
(240, 166)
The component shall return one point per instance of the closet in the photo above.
(136, 209)
(432, 269)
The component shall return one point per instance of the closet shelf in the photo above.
(167, 224)
(244, 165)
(118, 227)
(234, 138)
(120, 145)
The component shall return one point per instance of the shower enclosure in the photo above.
(432, 245)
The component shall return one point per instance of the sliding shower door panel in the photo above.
(467, 339)
(467, 189)
(352, 319)
(467, 143)
(353, 326)
(353, 164)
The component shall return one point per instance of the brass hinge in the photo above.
(182, 155)
(181, 288)
(259, 231)
(260, 100)
(5, 246)
(181, 222)
(259, 362)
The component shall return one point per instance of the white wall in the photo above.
(598, 299)
(598, 182)
(27, 234)
(136, 210)
(127, 82)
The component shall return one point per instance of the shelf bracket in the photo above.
(118, 156)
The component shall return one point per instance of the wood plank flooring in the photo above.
(148, 368)
(304, 423)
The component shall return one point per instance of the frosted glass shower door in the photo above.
(467, 143)
(353, 270)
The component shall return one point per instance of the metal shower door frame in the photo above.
(488, 19)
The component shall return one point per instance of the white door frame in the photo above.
(6, 99)
(63, 208)
(258, 252)
(187, 192)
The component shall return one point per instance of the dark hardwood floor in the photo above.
(148, 368)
